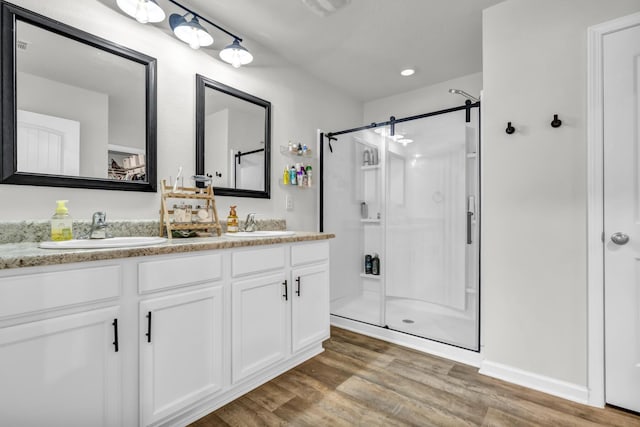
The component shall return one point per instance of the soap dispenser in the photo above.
(232, 221)
(61, 223)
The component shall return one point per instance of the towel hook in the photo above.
(556, 123)
(510, 129)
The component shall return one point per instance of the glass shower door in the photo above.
(431, 244)
(354, 210)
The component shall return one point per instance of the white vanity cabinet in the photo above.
(156, 340)
(60, 363)
(278, 314)
(181, 351)
(259, 325)
(259, 310)
(310, 294)
(180, 334)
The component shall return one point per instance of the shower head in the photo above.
(465, 94)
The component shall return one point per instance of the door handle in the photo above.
(116, 344)
(619, 238)
(148, 334)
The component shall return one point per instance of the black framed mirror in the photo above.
(77, 110)
(233, 139)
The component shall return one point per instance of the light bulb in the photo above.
(194, 40)
(142, 12)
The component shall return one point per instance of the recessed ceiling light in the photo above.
(407, 72)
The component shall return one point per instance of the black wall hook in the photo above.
(510, 129)
(556, 123)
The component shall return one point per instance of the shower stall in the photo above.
(402, 198)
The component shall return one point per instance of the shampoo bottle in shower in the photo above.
(368, 265)
(375, 265)
(285, 176)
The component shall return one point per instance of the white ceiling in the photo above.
(361, 47)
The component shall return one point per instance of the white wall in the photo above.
(423, 100)
(534, 183)
(300, 105)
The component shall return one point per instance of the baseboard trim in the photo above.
(563, 389)
(456, 354)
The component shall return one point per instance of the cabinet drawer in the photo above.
(168, 273)
(45, 291)
(309, 253)
(258, 260)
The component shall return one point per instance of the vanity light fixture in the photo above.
(407, 72)
(142, 10)
(235, 54)
(190, 32)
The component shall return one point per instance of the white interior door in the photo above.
(622, 217)
(48, 144)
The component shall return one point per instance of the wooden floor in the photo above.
(361, 381)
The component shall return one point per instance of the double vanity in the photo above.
(155, 335)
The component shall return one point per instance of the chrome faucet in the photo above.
(250, 223)
(99, 226)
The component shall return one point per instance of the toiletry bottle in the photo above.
(368, 264)
(309, 172)
(290, 147)
(292, 176)
(300, 177)
(299, 149)
(375, 265)
(61, 223)
(232, 221)
(374, 156)
(366, 158)
(285, 176)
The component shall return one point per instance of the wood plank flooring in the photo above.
(362, 381)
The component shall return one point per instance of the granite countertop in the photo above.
(28, 254)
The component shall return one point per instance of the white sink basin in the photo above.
(252, 234)
(111, 242)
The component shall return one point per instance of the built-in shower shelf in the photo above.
(472, 155)
(370, 276)
(370, 167)
(370, 221)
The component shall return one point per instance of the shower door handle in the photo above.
(469, 233)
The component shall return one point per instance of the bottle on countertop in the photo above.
(61, 223)
(375, 265)
(232, 221)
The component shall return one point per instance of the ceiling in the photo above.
(362, 47)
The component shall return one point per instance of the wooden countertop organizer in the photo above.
(208, 202)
